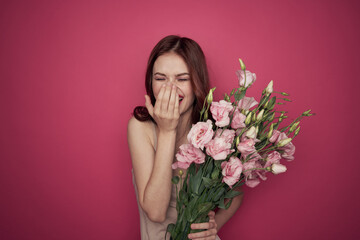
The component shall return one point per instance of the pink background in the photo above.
(71, 73)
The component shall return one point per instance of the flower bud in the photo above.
(248, 118)
(272, 117)
(227, 98)
(205, 115)
(209, 97)
(307, 113)
(253, 116)
(260, 115)
(257, 130)
(271, 129)
(242, 65)
(251, 133)
(297, 131)
(284, 94)
(284, 142)
(269, 88)
(237, 141)
(181, 172)
(277, 168)
(266, 104)
(294, 126)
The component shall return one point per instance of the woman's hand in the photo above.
(166, 110)
(209, 233)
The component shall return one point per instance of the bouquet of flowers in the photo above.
(240, 145)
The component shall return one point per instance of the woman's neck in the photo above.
(184, 126)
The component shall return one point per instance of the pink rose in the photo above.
(231, 171)
(250, 78)
(246, 103)
(273, 157)
(251, 173)
(246, 146)
(218, 148)
(200, 134)
(238, 120)
(220, 112)
(274, 136)
(188, 154)
(288, 150)
(226, 134)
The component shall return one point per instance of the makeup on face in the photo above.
(171, 68)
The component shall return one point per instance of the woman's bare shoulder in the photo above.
(140, 130)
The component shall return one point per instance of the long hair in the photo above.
(194, 57)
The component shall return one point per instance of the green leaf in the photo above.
(204, 208)
(215, 174)
(228, 204)
(219, 194)
(208, 182)
(232, 194)
(272, 103)
(239, 95)
(218, 164)
(221, 203)
(263, 100)
(196, 180)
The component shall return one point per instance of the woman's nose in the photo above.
(172, 81)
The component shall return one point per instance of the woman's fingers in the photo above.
(176, 108)
(159, 97)
(211, 215)
(202, 235)
(206, 225)
(172, 100)
(211, 227)
(165, 99)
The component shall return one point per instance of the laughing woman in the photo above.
(176, 83)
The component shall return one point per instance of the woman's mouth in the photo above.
(180, 98)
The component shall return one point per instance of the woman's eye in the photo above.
(159, 79)
(183, 79)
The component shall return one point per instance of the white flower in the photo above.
(277, 168)
(260, 115)
(251, 133)
(269, 88)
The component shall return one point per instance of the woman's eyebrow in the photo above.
(162, 74)
(177, 75)
(181, 74)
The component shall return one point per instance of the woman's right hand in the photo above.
(166, 110)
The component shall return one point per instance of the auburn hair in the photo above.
(194, 57)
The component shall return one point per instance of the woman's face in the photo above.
(171, 68)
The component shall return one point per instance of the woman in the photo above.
(176, 84)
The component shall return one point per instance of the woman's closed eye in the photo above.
(183, 79)
(159, 79)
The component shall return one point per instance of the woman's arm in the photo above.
(152, 169)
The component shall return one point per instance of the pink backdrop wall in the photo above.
(71, 73)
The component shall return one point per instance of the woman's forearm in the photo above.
(158, 190)
(223, 215)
